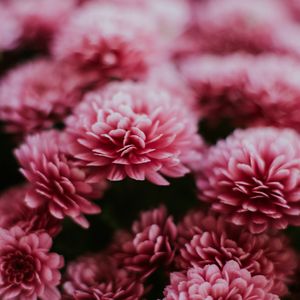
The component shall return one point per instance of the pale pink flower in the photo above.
(211, 282)
(14, 211)
(39, 23)
(253, 178)
(114, 41)
(207, 239)
(37, 95)
(247, 90)
(134, 130)
(151, 245)
(56, 181)
(28, 271)
(253, 26)
(98, 277)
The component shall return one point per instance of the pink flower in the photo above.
(247, 90)
(27, 270)
(93, 42)
(134, 130)
(98, 277)
(211, 282)
(151, 245)
(252, 26)
(37, 95)
(56, 181)
(40, 22)
(14, 211)
(253, 178)
(206, 239)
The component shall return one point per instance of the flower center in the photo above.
(18, 267)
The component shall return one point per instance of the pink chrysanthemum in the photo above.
(247, 90)
(93, 41)
(252, 26)
(37, 95)
(211, 240)
(98, 277)
(40, 22)
(14, 211)
(213, 283)
(253, 178)
(134, 130)
(151, 245)
(27, 270)
(56, 181)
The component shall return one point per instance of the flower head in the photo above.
(253, 178)
(98, 277)
(37, 95)
(56, 181)
(134, 130)
(211, 282)
(93, 42)
(14, 211)
(251, 26)
(27, 269)
(151, 245)
(39, 23)
(207, 239)
(246, 90)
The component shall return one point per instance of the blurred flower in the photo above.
(151, 245)
(56, 181)
(27, 269)
(211, 240)
(253, 178)
(211, 282)
(252, 26)
(134, 130)
(37, 95)
(93, 42)
(39, 22)
(14, 211)
(98, 277)
(247, 90)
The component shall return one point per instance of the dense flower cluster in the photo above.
(168, 130)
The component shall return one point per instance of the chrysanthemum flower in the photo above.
(98, 277)
(28, 271)
(245, 89)
(152, 244)
(211, 282)
(92, 41)
(40, 22)
(207, 239)
(252, 26)
(134, 130)
(56, 181)
(37, 95)
(253, 178)
(14, 211)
